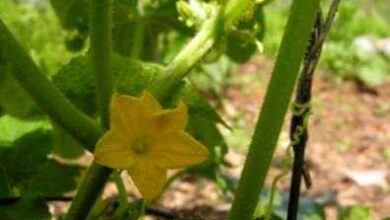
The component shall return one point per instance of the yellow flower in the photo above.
(146, 140)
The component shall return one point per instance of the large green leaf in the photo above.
(65, 145)
(76, 80)
(73, 14)
(26, 156)
(198, 105)
(12, 128)
(13, 99)
(29, 208)
(53, 179)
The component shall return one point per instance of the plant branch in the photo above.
(89, 189)
(299, 126)
(100, 54)
(303, 97)
(100, 61)
(45, 94)
(193, 52)
(274, 109)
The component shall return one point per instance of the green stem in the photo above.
(89, 189)
(100, 54)
(186, 59)
(193, 52)
(276, 102)
(122, 209)
(138, 45)
(45, 94)
(270, 207)
(100, 60)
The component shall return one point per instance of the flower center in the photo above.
(140, 146)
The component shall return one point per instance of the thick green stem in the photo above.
(45, 94)
(198, 47)
(139, 35)
(100, 54)
(89, 189)
(123, 203)
(276, 102)
(186, 59)
(100, 60)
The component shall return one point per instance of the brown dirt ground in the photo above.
(347, 154)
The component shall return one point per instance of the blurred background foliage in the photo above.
(356, 48)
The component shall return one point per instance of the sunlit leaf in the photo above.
(76, 80)
(12, 128)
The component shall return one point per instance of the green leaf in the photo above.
(205, 130)
(13, 99)
(5, 189)
(73, 14)
(355, 212)
(31, 208)
(76, 80)
(53, 178)
(132, 76)
(12, 128)
(65, 145)
(26, 156)
(198, 105)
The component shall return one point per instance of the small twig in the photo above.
(148, 210)
(303, 96)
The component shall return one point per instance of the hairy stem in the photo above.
(276, 102)
(89, 189)
(100, 60)
(45, 94)
(193, 52)
(185, 60)
(100, 54)
(122, 209)
(139, 35)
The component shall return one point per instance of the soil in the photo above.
(348, 152)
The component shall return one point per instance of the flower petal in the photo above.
(123, 111)
(171, 120)
(150, 103)
(113, 150)
(149, 178)
(177, 149)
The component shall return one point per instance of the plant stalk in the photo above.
(100, 61)
(89, 189)
(100, 55)
(303, 97)
(45, 94)
(276, 102)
